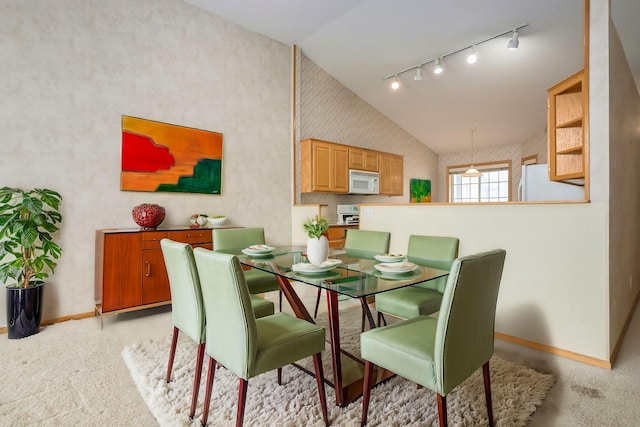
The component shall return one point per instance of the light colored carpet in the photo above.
(516, 391)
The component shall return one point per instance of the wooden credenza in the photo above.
(130, 272)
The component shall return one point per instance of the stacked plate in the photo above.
(258, 250)
(307, 268)
(395, 267)
(390, 257)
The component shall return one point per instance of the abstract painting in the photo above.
(420, 190)
(164, 157)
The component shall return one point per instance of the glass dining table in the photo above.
(349, 273)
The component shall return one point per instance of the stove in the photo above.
(348, 214)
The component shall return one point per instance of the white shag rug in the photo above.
(516, 391)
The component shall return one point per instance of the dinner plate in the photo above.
(307, 268)
(258, 250)
(390, 257)
(395, 267)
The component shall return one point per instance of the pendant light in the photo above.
(472, 172)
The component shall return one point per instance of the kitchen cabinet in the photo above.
(391, 174)
(364, 160)
(130, 272)
(323, 167)
(567, 120)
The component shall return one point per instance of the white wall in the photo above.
(624, 189)
(553, 288)
(74, 67)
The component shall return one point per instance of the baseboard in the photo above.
(4, 329)
(554, 350)
(616, 349)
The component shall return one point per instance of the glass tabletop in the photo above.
(350, 273)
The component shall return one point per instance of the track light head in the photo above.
(473, 56)
(418, 76)
(513, 43)
(395, 84)
(437, 68)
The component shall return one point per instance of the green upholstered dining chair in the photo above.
(244, 345)
(424, 298)
(231, 238)
(362, 243)
(187, 309)
(441, 353)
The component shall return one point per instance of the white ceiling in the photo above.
(359, 42)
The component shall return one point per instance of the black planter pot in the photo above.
(24, 310)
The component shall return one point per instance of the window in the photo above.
(492, 186)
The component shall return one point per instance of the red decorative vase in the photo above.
(148, 215)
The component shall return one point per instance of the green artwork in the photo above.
(420, 190)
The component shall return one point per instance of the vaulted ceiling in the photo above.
(503, 95)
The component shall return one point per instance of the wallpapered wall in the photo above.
(331, 112)
(536, 145)
(74, 67)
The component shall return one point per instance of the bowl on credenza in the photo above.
(217, 220)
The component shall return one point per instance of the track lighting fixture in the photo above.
(395, 84)
(513, 43)
(437, 68)
(418, 76)
(471, 58)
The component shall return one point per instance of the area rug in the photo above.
(516, 391)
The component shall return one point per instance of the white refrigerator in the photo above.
(536, 186)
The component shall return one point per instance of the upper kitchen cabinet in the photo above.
(568, 108)
(391, 174)
(324, 167)
(362, 159)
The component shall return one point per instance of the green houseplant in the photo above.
(28, 221)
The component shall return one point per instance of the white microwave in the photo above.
(363, 182)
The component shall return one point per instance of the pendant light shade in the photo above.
(472, 172)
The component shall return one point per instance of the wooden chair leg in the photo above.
(366, 313)
(317, 363)
(366, 390)
(381, 319)
(487, 391)
(315, 311)
(172, 352)
(442, 410)
(242, 400)
(196, 379)
(207, 395)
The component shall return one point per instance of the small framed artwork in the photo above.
(420, 190)
(164, 157)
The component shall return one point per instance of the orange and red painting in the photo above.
(164, 157)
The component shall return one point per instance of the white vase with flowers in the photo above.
(317, 243)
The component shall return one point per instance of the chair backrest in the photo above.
(366, 242)
(231, 238)
(435, 252)
(231, 325)
(186, 297)
(465, 330)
